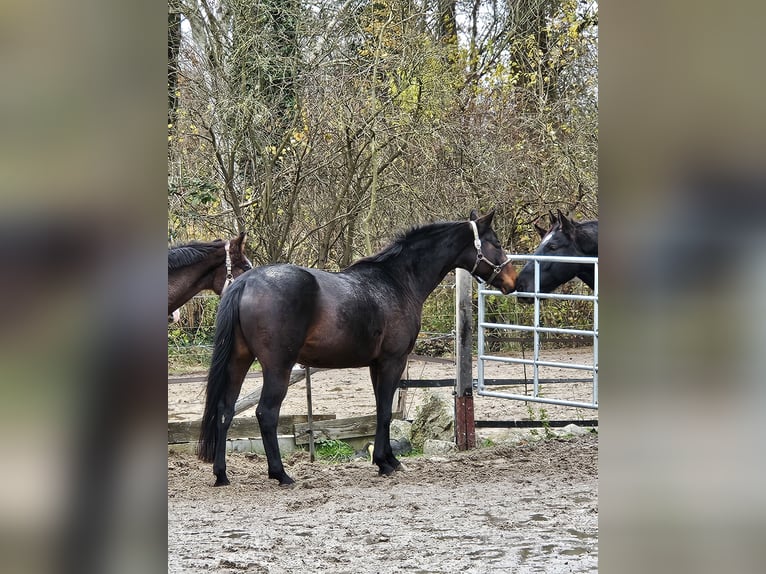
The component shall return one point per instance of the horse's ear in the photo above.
(566, 224)
(241, 238)
(474, 215)
(551, 219)
(541, 231)
(486, 220)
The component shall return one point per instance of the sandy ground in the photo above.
(526, 508)
(530, 508)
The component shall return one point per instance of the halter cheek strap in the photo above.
(229, 275)
(477, 245)
(496, 269)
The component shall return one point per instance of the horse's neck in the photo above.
(587, 243)
(587, 276)
(587, 239)
(186, 282)
(422, 274)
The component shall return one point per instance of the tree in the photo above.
(320, 128)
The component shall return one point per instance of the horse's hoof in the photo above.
(283, 478)
(286, 481)
(222, 482)
(386, 470)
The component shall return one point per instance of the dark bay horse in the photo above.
(366, 315)
(197, 266)
(565, 237)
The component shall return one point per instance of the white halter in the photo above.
(496, 269)
(229, 276)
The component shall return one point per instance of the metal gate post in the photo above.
(465, 427)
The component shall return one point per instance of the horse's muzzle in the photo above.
(524, 285)
(506, 279)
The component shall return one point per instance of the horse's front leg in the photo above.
(275, 385)
(385, 376)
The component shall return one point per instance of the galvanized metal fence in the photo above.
(537, 329)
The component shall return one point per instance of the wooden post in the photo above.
(400, 399)
(310, 414)
(252, 399)
(465, 427)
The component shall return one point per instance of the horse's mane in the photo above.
(190, 253)
(588, 236)
(415, 234)
(590, 226)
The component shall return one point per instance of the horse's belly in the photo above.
(338, 353)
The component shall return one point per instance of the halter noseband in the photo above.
(496, 269)
(229, 276)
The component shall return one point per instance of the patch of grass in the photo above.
(413, 453)
(543, 417)
(546, 421)
(334, 451)
(487, 443)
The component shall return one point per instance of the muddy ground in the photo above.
(527, 508)
(532, 507)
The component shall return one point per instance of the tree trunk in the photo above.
(447, 26)
(174, 47)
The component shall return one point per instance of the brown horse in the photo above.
(366, 315)
(196, 266)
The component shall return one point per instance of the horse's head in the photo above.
(235, 262)
(489, 261)
(559, 239)
(239, 261)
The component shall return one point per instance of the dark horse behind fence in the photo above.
(197, 266)
(366, 315)
(565, 237)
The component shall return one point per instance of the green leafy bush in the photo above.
(334, 450)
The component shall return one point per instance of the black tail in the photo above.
(218, 377)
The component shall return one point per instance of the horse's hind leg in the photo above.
(238, 367)
(275, 383)
(385, 378)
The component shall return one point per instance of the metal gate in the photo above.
(537, 329)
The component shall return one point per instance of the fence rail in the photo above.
(536, 362)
